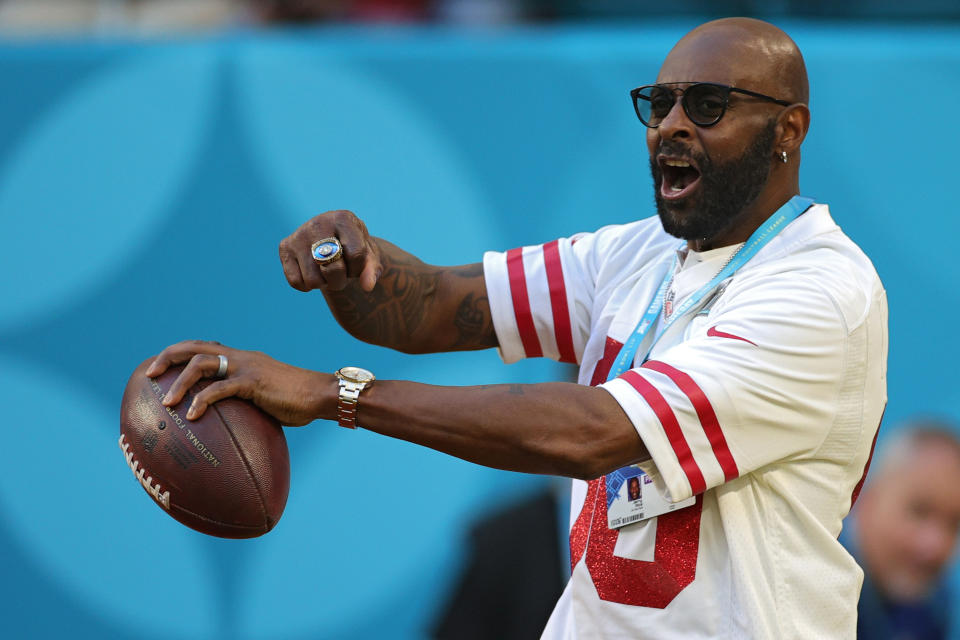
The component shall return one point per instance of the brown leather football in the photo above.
(225, 474)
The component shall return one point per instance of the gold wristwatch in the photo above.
(353, 380)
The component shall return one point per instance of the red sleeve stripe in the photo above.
(611, 349)
(671, 427)
(558, 302)
(521, 304)
(708, 417)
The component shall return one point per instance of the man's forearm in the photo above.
(556, 428)
(553, 428)
(416, 307)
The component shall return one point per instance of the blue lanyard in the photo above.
(758, 240)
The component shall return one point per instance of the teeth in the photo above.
(675, 188)
(676, 163)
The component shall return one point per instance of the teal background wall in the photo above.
(145, 185)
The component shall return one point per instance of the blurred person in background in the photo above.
(904, 534)
(29, 17)
(392, 11)
(517, 563)
(307, 11)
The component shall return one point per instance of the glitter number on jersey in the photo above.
(623, 580)
(636, 582)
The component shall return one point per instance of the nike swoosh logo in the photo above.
(713, 333)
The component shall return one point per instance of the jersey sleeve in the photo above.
(755, 384)
(541, 298)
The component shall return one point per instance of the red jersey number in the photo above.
(636, 582)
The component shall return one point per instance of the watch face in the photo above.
(356, 374)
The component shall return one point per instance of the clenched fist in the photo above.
(360, 257)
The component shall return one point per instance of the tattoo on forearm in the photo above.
(400, 306)
(470, 271)
(473, 322)
(394, 310)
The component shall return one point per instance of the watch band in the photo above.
(352, 380)
(347, 406)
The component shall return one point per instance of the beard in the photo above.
(725, 190)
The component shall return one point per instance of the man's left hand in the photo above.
(292, 395)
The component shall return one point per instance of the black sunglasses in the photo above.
(703, 102)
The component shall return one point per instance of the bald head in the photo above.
(742, 146)
(921, 438)
(741, 52)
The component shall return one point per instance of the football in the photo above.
(226, 474)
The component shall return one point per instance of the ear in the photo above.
(792, 126)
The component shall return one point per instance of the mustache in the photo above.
(674, 148)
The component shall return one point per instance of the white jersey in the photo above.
(764, 405)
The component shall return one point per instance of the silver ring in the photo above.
(326, 250)
(222, 369)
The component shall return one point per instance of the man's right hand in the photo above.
(360, 259)
(383, 295)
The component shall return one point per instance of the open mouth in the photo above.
(679, 177)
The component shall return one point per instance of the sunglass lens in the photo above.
(705, 103)
(660, 101)
(653, 104)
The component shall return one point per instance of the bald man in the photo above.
(732, 356)
(904, 533)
